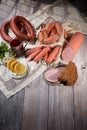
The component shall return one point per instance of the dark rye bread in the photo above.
(69, 75)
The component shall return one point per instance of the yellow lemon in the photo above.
(20, 69)
(12, 65)
(9, 63)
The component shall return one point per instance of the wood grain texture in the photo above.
(48, 107)
(80, 92)
(61, 108)
(11, 111)
(35, 112)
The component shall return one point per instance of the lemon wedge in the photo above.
(20, 69)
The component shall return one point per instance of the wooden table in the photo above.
(46, 107)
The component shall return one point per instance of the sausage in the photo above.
(42, 35)
(76, 41)
(5, 28)
(22, 28)
(65, 34)
(45, 57)
(67, 54)
(53, 55)
(49, 27)
(72, 47)
(58, 28)
(51, 39)
(31, 56)
(28, 52)
(51, 33)
(27, 24)
(42, 54)
(4, 31)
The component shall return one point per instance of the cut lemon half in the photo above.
(20, 69)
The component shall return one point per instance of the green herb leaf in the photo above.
(3, 49)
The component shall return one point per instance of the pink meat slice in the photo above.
(52, 74)
(68, 54)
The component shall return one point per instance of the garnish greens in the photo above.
(4, 49)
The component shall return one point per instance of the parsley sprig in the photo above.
(3, 49)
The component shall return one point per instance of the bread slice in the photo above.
(69, 75)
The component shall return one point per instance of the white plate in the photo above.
(14, 75)
(51, 75)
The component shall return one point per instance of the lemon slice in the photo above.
(12, 65)
(9, 63)
(20, 69)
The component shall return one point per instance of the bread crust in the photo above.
(69, 75)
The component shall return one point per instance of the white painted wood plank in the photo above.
(35, 114)
(80, 92)
(61, 108)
